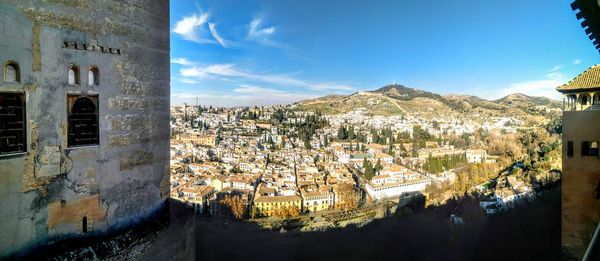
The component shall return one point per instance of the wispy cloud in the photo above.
(242, 96)
(216, 35)
(191, 27)
(231, 71)
(244, 88)
(181, 61)
(261, 34)
(545, 87)
(555, 68)
(257, 32)
(188, 81)
(214, 70)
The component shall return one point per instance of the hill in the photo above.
(523, 101)
(399, 99)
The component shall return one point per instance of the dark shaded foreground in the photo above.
(529, 232)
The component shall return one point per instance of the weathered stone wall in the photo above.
(581, 176)
(46, 192)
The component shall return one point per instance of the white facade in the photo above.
(395, 189)
(476, 156)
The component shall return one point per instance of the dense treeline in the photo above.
(306, 129)
(369, 171)
(440, 164)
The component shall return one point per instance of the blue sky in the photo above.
(244, 52)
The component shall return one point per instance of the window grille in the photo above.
(12, 123)
(83, 120)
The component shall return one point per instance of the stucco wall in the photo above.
(118, 181)
(581, 175)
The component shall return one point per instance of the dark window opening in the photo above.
(12, 123)
(570, 148)
(594, 150)
(585, 148)
(84, 226)
(83, 121)
(589, 148)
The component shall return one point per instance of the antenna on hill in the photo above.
(394, 82)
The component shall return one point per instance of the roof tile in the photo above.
(588, 79)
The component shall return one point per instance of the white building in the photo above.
(382, 189)
(476, 156)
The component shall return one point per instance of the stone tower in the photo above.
(84, 98)
(581, 161)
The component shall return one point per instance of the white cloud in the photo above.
(244, 88)
(261, 35)
(242, 99)
(214, 70)
(181, 61)
(191, 27)
(188, 81)
(544, 87)
(216, 35)
(555, 68)
(256, 32)
(576, 61)
(230, 71)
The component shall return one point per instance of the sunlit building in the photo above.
(581, 161)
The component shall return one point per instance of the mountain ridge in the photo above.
(400, 99)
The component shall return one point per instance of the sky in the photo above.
(246, 53)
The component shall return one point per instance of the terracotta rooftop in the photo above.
(588, 79)
(277, 198)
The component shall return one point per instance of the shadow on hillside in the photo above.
(529, 232)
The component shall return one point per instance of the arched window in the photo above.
(83, 120)
(584, 100)
(73, 74)
(94, 76)
(12, 123)
(12, 72)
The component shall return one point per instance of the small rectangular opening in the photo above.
(570, 148)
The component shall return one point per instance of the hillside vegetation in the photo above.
(399, 99)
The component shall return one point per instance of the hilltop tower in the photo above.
(84, 105)
(581, 161)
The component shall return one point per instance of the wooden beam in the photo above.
(574, 6)
(585, 23)
(588, 31)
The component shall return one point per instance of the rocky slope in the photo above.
(399, 99)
